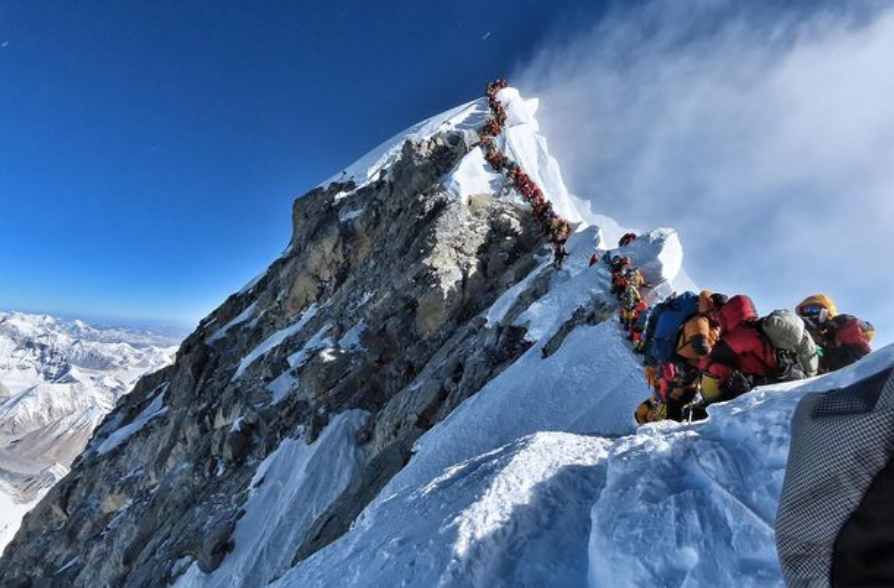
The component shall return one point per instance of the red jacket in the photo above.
(742, 349)
(843, 340)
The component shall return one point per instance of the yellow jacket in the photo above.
(697, 339)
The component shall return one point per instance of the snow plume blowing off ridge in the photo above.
(765, 138)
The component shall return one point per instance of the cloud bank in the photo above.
(763, 133)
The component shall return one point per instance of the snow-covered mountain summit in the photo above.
(413, 396)
(58, 379)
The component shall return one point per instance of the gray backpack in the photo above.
(786, 331)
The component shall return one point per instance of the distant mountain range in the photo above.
(58, 380)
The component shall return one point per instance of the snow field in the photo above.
(670, 505)
(63, 377)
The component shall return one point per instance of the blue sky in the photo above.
(150, 151)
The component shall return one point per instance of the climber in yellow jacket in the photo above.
(700, 333)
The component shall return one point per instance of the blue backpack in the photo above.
(665, 323)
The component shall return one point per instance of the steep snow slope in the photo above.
(60, 379)
(382, 281)
(467, 118)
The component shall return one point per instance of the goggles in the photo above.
(812, 309)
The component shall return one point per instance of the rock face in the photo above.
(375, 307)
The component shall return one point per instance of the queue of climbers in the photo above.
(703, 348)
(556, 228)
(697, 348)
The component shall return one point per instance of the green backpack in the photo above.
(786, 331)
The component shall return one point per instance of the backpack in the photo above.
(654, 315)
(662, 346)
(786, 332)
(789, 367)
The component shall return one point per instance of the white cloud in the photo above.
(766, 136)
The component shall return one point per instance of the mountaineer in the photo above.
(742, 358)
(796, 349)
(674, 381)
(842, 338)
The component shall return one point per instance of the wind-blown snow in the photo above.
(292, 487)
(522, 142)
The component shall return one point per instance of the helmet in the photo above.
(642, 412)
(868, 330)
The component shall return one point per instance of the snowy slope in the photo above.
(466, 118)
(61, 378)
(672, 505)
